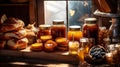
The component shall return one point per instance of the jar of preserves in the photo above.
(91, 29)
(44, 30)
(74, 31)
(58, 29)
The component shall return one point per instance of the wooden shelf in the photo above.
(53, 56)
(102, 14)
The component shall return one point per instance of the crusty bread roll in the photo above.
(3, 18)
(31, 37)
(2, 44)
(11, 24)
(14, 34)
(17, 44)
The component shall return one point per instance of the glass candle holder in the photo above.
(109, 58)
(73, 47)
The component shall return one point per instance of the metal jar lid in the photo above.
(44, 26)
(74, 28)
(57, 22)
(84, 40)
(90, 20)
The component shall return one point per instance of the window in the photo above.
(72, 12)
(54, 10)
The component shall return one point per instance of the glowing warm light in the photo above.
(72, 12)
(19, 63)
(65, 53)
(73, 47)
(109, 54)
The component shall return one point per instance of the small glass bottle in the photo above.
(58, 29)
(84, 49)
(74, 31)
(91, 29)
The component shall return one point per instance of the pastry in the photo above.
(46, 38)
(17, 44)
(36, 47)
(50, 46)
(62, 44)
(30, 36)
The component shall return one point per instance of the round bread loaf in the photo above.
(17, 44)
(11, 24)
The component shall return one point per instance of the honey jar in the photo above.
(58, 29)
(84, 49)
(44, 30)
(91, 29)
(84, 42)
(74, 31)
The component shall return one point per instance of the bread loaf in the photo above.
(11, 24)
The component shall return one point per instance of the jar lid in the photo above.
(74, 27)
(90, 20)
(58, 22)
(84, 40)
(44, 26)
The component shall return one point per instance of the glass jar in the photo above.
(73, 47)
(44, 30)
(84, 49)
(74, 31)
(91, 29)
(84, 42)
(58, 29)
(44, 33)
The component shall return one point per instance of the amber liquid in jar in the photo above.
(58, 29)
(81, 54)
(74, 31)
(84, 49)
(90, 29)
(44, 30)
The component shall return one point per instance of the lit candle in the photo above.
(109, 58)
(73, 47)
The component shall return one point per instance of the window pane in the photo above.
(54, 10)
(78, 11)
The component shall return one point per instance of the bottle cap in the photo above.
(84, 40)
